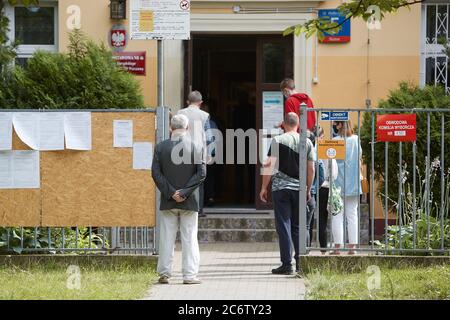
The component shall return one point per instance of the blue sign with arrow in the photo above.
(334, 116)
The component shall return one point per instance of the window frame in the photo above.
(27, 50)
(430, 49)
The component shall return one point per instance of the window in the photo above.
(36, 28)
(435, 30)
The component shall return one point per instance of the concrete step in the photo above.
(255, 227)
(237, 235)
(237, 221)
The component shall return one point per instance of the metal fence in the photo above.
(409, 183)
(90, 240)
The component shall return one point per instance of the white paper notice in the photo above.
(25, 165)
(77, 127)
(51, 131)
(5, 131)
(123, 133)
(272, 109)
(26, 126)
(6, 178)
(159, 19)
(142, 155)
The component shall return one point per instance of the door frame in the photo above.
(260, 86)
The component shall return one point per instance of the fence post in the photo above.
(162, 133)
(302, 176)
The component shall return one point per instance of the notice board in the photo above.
(88, 188)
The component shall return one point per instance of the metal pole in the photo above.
(386, 191)
(400, 191)
(372, 179)
(442, 178)
(414, 194)
(358, 179)
(427, 205)
(160, 133)
(302, 177)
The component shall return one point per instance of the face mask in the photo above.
(335, 128)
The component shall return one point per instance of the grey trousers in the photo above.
(188, 224)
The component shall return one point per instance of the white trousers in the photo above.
(351, 215)
(189, 242)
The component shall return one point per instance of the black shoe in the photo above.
(202, 215)
(297, 265)
(282, 270)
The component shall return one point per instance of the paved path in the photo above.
(232, 271)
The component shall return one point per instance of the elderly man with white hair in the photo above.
(178, 170)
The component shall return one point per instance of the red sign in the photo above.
(396, 128)
(133, 62)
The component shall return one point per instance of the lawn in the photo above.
(431, 283)
(54, 282)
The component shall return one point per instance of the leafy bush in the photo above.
(407, 97)
(85, 78)
(431, 231)
(15, 240)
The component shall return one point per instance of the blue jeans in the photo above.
(286, 207)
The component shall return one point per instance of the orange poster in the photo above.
(331, 149)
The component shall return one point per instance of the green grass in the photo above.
(431, 283)
(98, 282)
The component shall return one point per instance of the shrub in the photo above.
(84, 78)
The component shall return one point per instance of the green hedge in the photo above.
(86, 77)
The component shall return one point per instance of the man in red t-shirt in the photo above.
(294, 100)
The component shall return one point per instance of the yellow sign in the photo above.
(146, 19)
(331, 149)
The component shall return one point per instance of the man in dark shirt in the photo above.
(283, 169)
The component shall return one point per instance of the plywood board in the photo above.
(99, 187)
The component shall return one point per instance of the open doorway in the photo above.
(233, 72)
(224, 70)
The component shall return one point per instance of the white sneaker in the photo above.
(192, 281)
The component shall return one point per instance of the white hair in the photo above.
(179, 121)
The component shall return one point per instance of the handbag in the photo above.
(365, 185)
(335, 203)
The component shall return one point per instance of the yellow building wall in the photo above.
(96, 23)
(350, 73)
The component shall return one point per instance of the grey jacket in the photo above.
(186, 176)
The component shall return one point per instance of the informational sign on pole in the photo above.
(396, 128)
(160, 19)
(331, 149)
(334, 116)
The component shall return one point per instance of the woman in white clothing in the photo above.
(349, 180)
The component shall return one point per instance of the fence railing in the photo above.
(406, 210)
(99, 240)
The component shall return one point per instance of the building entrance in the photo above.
(232, 71)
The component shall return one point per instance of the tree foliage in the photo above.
(86, 77)
(364, 9)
